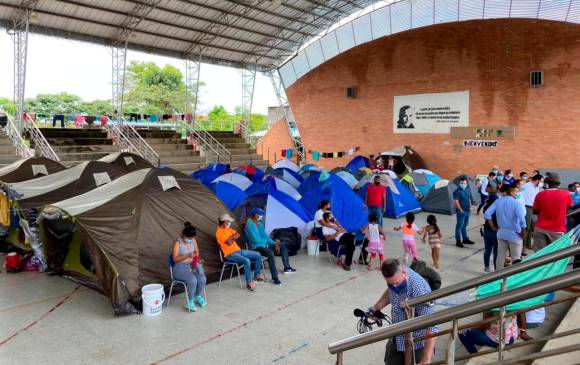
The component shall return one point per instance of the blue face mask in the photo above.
(463, 186)
(188, 240)
(518, 195)
(500, 178)
(398, 288)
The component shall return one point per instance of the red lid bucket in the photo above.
(12, 261)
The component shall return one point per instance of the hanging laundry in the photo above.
(4, 210)
(316, 156)
(188, 117)
(56, 118)
(79, 120)
(104, 120)
(283, 153)
(90, 119)
(153, 118)
(289, 153)
(166, 116)
(133, 117)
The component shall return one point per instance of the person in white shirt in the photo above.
(529, 192)
(337, 236)
(323, 207)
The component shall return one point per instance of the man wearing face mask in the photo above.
(376, 199)
(529, 191)
(462, 201)
(511, 225)
(404, 283)
(260, 242)
(508, 178)
(524, 176)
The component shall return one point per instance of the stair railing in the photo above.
(22, 149)
(206, 140)
(122, 142)
(246, 134)
(500, 300)
(41, 145)
(141, 146)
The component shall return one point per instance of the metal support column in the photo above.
(288, 116)
(248, 84)
(119, 63)
(192, 71)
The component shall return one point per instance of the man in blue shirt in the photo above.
(404, 283)
(462, 201)
(260, 241)
(511, 225)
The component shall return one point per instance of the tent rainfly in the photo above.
(127, 161)
(28, 169)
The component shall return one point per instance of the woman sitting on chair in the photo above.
(187, 266)
(333, 234)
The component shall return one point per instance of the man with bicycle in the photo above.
(404, 283)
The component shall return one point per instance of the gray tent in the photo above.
(440, 199)
(567, 176)
(473, 189)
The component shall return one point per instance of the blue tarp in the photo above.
(346, 205)
(357, 163)
(399, 203)
(229, 194)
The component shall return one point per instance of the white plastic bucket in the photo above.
(312, 246)
(153, 297)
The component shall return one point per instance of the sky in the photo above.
(56, 65)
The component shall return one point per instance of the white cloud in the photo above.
(84, 69)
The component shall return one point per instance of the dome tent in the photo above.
(229, 194)
(240, 181)
(440, 198)
(127, 161)
(400, 200)
(28, 169)
(270, 183)
(287, 164)
(358, 163)
(127, 227)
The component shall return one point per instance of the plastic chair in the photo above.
(225, 264)
(174, 281)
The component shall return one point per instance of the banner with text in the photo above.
(430, 113)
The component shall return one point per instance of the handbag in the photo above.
(195, 262)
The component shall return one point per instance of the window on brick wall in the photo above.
(536, 78)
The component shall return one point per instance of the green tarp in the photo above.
(530, 276)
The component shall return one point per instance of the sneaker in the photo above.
(201, 301)
(289, 270)
(276, 282)
(468, 242)
(459, 244)
(346, 268)
(486, 269)
(191, 306)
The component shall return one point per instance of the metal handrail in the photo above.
(465, 310)
(493, 276)
(207, 140)
(41, 145)
(247, 135)
(121, 140)
(22, 150)
(142, 147)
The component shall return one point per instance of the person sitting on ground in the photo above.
(334, 233)
(260, 242)
(489, 335)
(187, 266)
(375, 235)
(226, 238)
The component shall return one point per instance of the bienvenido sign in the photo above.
(474, 143)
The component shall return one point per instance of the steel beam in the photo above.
(192, 72)
(248, 84)
(288, 115)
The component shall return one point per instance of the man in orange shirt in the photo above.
(226, 238)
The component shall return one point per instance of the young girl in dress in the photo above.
(409, 245)
(432, 233)
(374, 233)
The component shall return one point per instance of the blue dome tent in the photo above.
(205, 176)
(229, 194)
(400, 200)
(424, 180)
(357, 163)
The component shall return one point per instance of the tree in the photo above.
(62, 103)
(154, 90)
(96, 107)
(7, 105)
(219, 113)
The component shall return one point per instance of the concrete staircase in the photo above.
(7, 150)
(242, 152)
(74, 145)
(173, 151)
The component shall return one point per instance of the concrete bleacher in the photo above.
(76, 145)
(7, 150)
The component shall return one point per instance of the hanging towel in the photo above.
(283, 153)
(4, 210)
(104, 120)
(316, 156)
(289, 153)
(153, 118)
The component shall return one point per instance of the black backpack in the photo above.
(431, 276)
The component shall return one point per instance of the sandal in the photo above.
(369, 268)
(251, 286)
(260, 278)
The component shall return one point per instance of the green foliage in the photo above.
(62, 103)
(219, 114)
(96, 107)
(154, 90)
(7, 105)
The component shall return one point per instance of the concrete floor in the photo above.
(50, 320)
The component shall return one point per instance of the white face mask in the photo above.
(228, 224)
(540, 185)
(578, 189)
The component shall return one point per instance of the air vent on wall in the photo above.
(351, 92)
(536, 78)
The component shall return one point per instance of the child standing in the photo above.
(409, 245)
(432, 232)
(374, 234)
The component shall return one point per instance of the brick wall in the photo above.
(492, 59)
(272, 144)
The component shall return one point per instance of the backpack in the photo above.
(431, 276)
